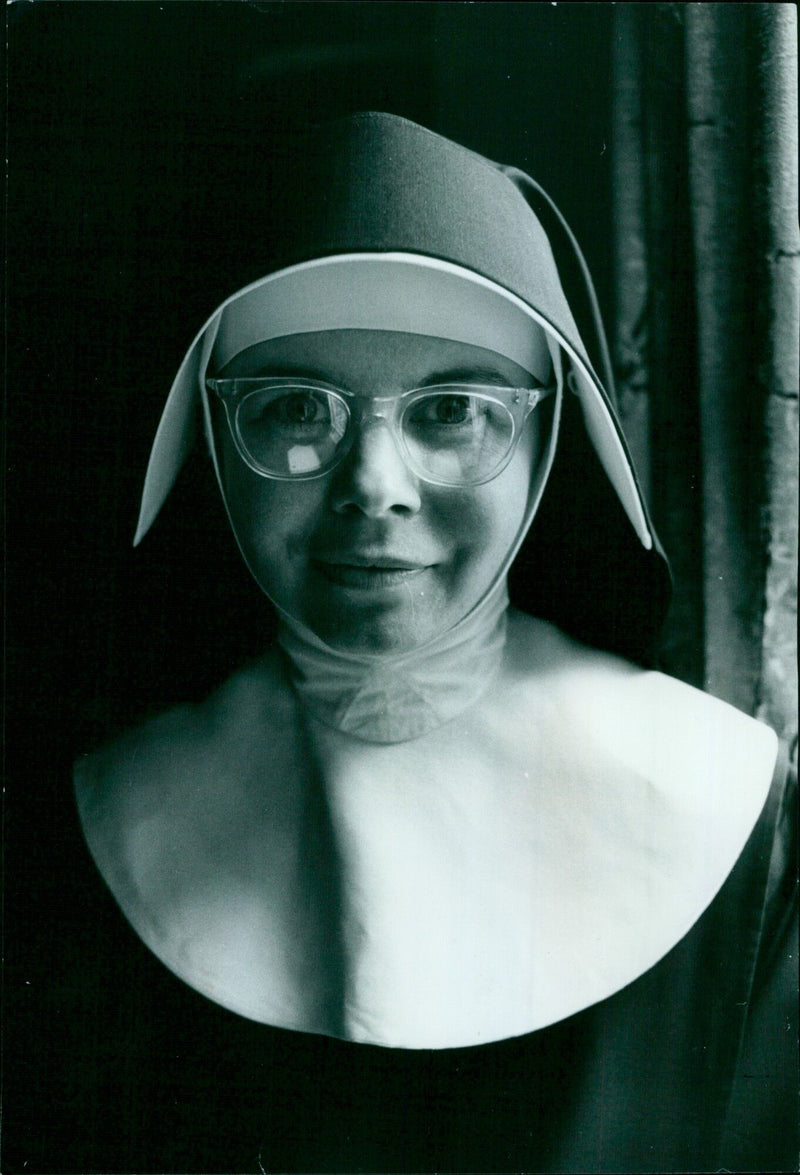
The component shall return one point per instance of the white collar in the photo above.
(524, 861)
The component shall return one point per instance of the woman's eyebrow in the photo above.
(471, 374)
(298, 370)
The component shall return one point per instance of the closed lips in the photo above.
(374, 558)
(377, 562)
(375, 573)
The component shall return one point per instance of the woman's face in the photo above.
(370, 557)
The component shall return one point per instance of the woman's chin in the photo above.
(381, 618)
(391, 631)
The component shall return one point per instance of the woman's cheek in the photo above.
(273, 522)
(486, 521)
(459, 519)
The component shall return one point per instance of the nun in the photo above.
(439, 881)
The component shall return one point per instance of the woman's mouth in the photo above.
(369, 572)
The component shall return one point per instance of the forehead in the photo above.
(372, 361)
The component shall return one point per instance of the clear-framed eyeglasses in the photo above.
(449, 434)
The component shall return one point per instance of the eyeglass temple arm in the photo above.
(536, 395)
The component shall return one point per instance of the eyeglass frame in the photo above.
(232, 392)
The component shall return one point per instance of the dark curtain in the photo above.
(706, 329)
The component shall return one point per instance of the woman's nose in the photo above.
(374, 478)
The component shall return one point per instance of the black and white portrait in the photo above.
(402, 514)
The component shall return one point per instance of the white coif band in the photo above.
(392, 292)
(377, 291)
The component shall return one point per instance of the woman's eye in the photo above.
(301, 409)
(298, 408)
(443, 410)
